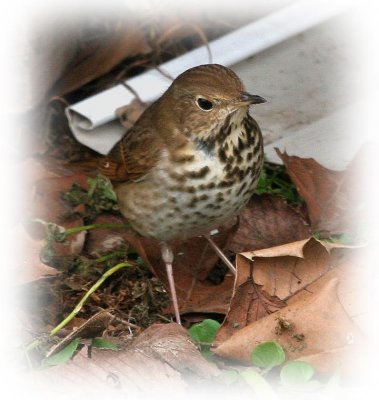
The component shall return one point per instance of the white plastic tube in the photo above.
(93, 120)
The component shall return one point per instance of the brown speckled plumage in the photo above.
(191, 161)
(207, 163)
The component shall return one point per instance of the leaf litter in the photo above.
(271, 298)
(285, 289)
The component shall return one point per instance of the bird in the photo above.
(191, 161)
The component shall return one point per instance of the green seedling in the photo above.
(268, 355)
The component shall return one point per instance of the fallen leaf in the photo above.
(160, 357)
(284, 276)
(353, 283)
(318, 324)
(267, 279)
(338, 359)
(335, 199)
(25, 252)
(123, 39)
(91, 328)
(47, 205)
(26, 173)
(268, 221)
(172, 344)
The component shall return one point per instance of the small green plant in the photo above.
(68, 352)
(268, 355)
(341, 238)
(291, 376)
(98, 198)
(103, 186)
(275, 180)
(104, 344)
(205, 332)
(62, 356)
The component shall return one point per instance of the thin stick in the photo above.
(222, 255)
(87, 295)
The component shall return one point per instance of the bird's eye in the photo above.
(204, 104)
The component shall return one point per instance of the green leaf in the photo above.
(275, 180)
(204, 332)
(296, 373)
(101, 343)
(109, 193)
(268, 355)
(259, 384)
(63, 356)
(341, 238)
(92, 182)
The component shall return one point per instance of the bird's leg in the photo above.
(221, 255)
(168, 258)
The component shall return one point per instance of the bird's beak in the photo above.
(247, 98)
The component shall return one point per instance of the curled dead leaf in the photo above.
(171, 344)
(318, 323)
(160, 357)
(47, 205)
(337, 201)
(25, 251)
(268, 279)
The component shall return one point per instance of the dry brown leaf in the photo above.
(327, 362)
(320, 188)
(267, 279)
(28, 171)
(25, 252)
(268, 221)
(283, 271)
(86, 329)
(317, 324)
(160, 357)
(48, 206)
(285, 275)
(124, 40)
(47, 203)
(336, 200)
(171, 344)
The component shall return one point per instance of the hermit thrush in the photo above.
(191, 161)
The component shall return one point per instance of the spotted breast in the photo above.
(199, 186)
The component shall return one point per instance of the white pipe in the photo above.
(93, 120)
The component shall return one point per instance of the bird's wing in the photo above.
(133, 156)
